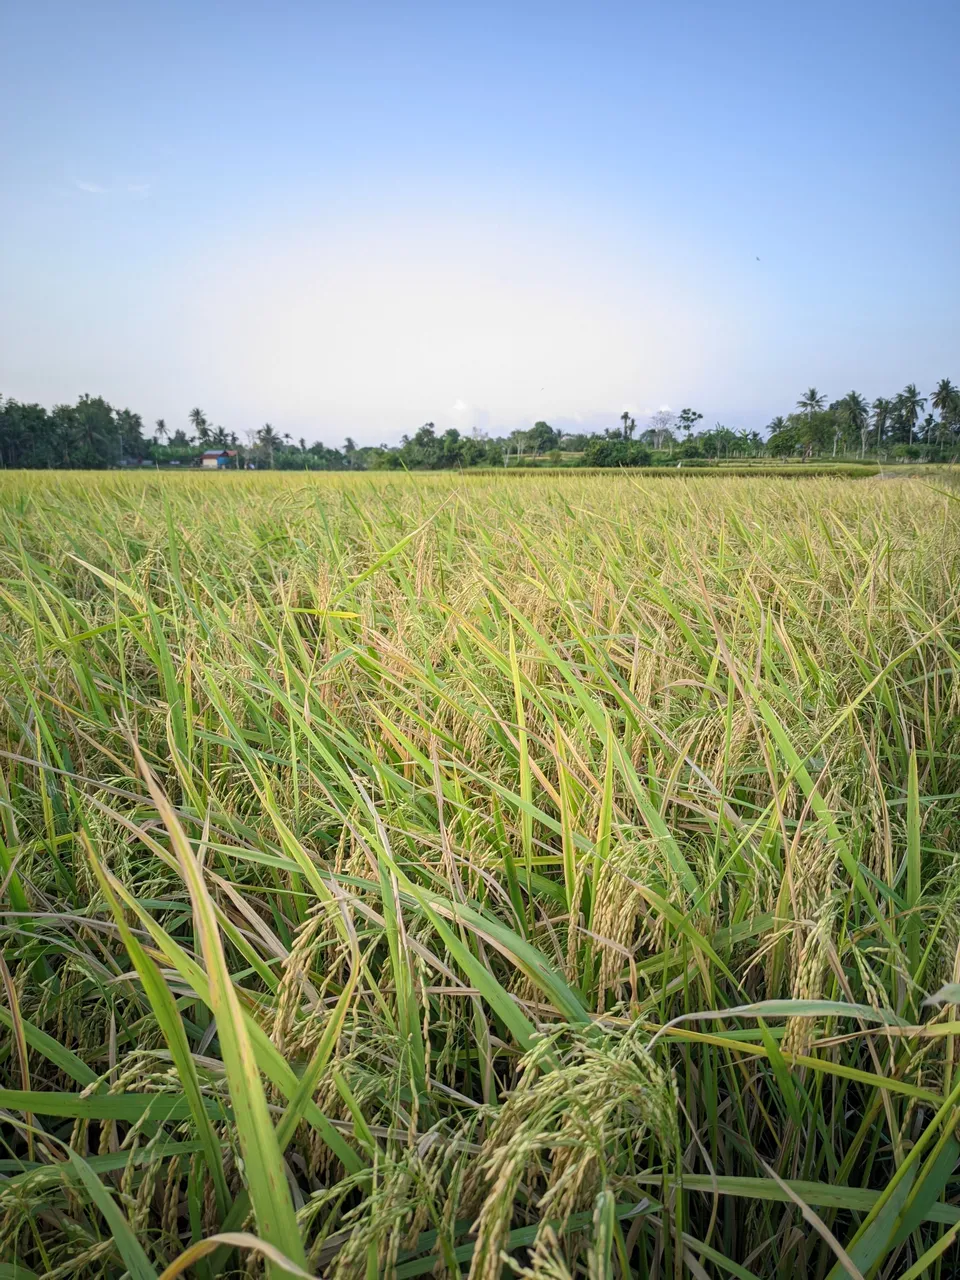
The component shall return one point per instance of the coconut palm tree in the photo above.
(268, 440)
(162, 431)
(909, 406)
(855, 415)
(811, 401)
(725, 439)
(625, 419)
(946, 400)
(200, 425)
(882, 410)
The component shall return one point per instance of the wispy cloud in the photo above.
(139, 189)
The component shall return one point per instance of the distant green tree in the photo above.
(200, 425)
(882, 410)
(811, 401)
(784, 439)
(606, 452)
(816, 430)
(908, 406)
(27, 436)
(853, 415)
(946, 400)
(719, 442)
(130, 430)
(269, 442)
(691, 448)
(323, 459)
(687, 419)
(575, 442)
(542, 437)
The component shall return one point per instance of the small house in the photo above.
(219, 458)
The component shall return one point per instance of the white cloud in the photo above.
(459, 406)
(138, 189)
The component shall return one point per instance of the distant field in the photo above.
(746, 467)
(414, 871)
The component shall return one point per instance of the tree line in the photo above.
(94, 434)
(896, 425)
(906, 425)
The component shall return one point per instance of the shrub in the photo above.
(615, 453)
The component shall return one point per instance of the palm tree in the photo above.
(625, 419)
(811, 401)
(882, 409)
(777, 424)
(909, 407)
(268, 440)
(855, 414)
(200, 425)
(162, 432)
(944, 397)
(724, 438)
(946, 400)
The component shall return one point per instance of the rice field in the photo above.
(408, 876)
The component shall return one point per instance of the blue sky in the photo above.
(349, 219)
